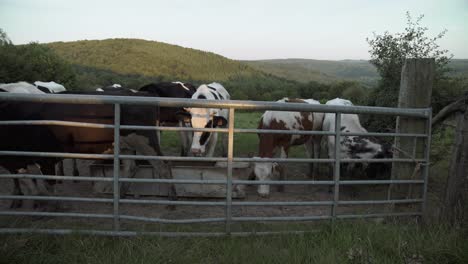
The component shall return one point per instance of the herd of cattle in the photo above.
(52, 138)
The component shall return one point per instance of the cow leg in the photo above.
(43, 187)
(310, 151)
(141, 145)
(16, 191)
(28, 188)
(316, 140)
(59, 169)
(224, 144)
(76, 172)
(185, 140)
(282, 173)
(129, 171)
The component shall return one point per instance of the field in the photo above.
(341, 242)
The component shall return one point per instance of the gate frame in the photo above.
(232, 105)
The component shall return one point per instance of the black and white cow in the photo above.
(355, 147)
(20, 87)
(50, 138)
(49, 87)
(204, 143)
(168, 115)
(114, 88)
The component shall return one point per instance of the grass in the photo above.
(346, 242)
(244, 143)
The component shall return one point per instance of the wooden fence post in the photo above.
(417, 77)
(455, 209)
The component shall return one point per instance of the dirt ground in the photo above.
(291, 193)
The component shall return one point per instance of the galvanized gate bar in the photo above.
(336, 171)
(177, 158)
(57, 155)
(54, 177)
(219, 130)
(169, 202)
(427, 153)
(55, 214)
(230, 156)
(55, 123)
(56, 198)
(116, 170)
(237, 104)
(172, 221)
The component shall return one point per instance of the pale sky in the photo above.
(242, 29)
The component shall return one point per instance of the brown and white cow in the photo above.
(270, 143)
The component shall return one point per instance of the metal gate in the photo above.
(228, 203)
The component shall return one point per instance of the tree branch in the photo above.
(458, 106)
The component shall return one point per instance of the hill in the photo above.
(306, 70)
(150, 58)
(134, 63)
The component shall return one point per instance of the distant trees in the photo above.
(32, 62)
(351, 90)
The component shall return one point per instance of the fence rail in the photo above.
(228, 203)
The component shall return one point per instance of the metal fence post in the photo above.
(229, 171)
(427, 154)
(116, 166)
(336, 174)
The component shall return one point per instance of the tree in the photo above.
(32, 62)
(4, 40)
(388, 53)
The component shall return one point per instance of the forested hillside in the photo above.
(134, 62)
(306, 70)
(151, 59)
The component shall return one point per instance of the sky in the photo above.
(241, 29)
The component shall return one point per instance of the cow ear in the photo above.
(184, 116)
(219, 121)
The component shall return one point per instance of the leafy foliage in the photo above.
(32, 62)
(388, 52)
(4, 39)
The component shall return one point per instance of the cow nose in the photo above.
(195, 150)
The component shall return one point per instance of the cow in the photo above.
(49, 138)
(20, 87)
(114, 88)
(355, 147)
(168, 115)
(270, 143)
(49, 87)
(24, 87)
(204, 143)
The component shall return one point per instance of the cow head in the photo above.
(381, 169)
(201, 118)
(266, 171)
(370, 148)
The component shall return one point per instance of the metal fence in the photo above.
(228, 219)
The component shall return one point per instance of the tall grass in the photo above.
(344, 242)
